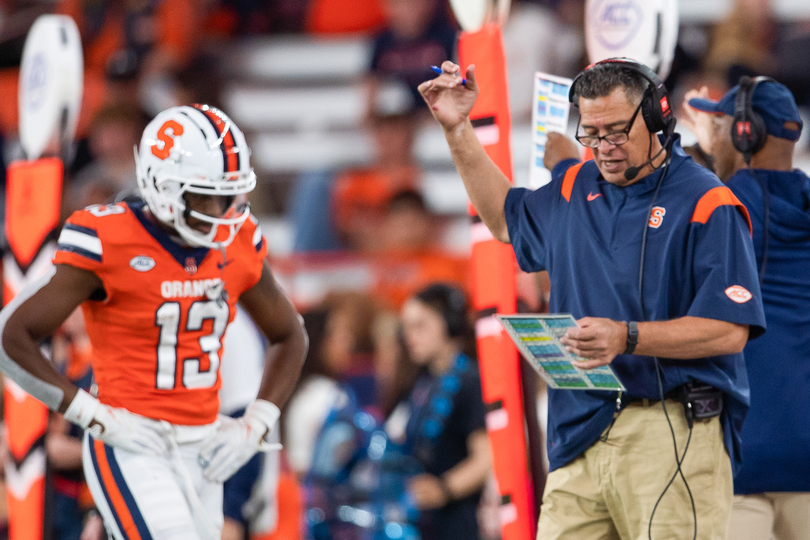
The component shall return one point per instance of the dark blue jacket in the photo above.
(776, 434)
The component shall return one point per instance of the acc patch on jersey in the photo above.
(738, 294)
(142, 263)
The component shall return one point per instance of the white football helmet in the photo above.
(195, 149)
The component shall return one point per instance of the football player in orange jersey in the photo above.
(158, 283)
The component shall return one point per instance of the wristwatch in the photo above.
(632, 337)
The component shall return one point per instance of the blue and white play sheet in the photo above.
(538, 338)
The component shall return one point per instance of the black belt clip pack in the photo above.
(700, 400)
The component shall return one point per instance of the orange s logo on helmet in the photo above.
(166, 139)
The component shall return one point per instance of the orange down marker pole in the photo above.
(33, 195)
(494, 291)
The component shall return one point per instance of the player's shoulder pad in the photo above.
(84, 229)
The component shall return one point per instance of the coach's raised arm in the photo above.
(450, 101)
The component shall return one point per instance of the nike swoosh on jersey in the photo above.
(592, 196)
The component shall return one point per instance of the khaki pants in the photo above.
(609, 492)
(782, 516)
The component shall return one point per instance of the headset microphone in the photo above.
(632, 172)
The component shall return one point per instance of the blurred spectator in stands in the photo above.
(361, 196)
(343, 16)
(155, 38)
(417, 34)
(107, 158)
(341, 362)
(742, 43)
(228, 18)
(541, 35)
(441, 423)
(410, 254)
(345, 210)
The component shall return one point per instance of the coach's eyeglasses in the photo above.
(617, 138)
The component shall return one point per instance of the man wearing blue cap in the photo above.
(755, 128)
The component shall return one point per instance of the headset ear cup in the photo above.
(651, 111)
(748, 131)
(748, 135)
(759, 133)
(648, 114)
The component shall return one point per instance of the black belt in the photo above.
(700, 401)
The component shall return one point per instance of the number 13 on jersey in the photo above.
(167, 318)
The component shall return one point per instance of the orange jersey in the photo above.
(157, 336)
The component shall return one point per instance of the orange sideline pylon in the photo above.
(494, 291)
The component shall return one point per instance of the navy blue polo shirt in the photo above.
(776, 435)
(699, 262)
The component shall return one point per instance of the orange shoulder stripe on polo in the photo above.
(568, 180)
(714, 198)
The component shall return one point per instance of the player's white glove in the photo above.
(238, 439)
(117, 427)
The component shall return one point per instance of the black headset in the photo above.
(655, 103)
(748, 132)
(452, 304)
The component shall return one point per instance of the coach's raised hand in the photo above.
(449, 100)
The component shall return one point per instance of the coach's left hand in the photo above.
(599, 340)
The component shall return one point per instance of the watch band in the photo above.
(632, 337)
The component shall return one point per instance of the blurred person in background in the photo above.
(361, 196)
(344, 210)
(541, 35)
(151, 39)
(751, 133)
(416, 35)
(107, 159)
(441, 422)
(410, 251)
(341, 363)
(742, 42)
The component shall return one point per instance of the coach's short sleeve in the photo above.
(529, 215)
(724, 268)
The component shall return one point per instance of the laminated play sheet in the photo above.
(549, 114)
(538, 338)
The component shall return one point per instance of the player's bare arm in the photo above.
(600, 340)
(38, 317)
(450, 102)
(238, 439)
(279, 322)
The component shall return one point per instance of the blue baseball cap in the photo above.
(772, 100)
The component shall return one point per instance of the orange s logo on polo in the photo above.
(657, 216)
(739, 294)
(166, 139)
